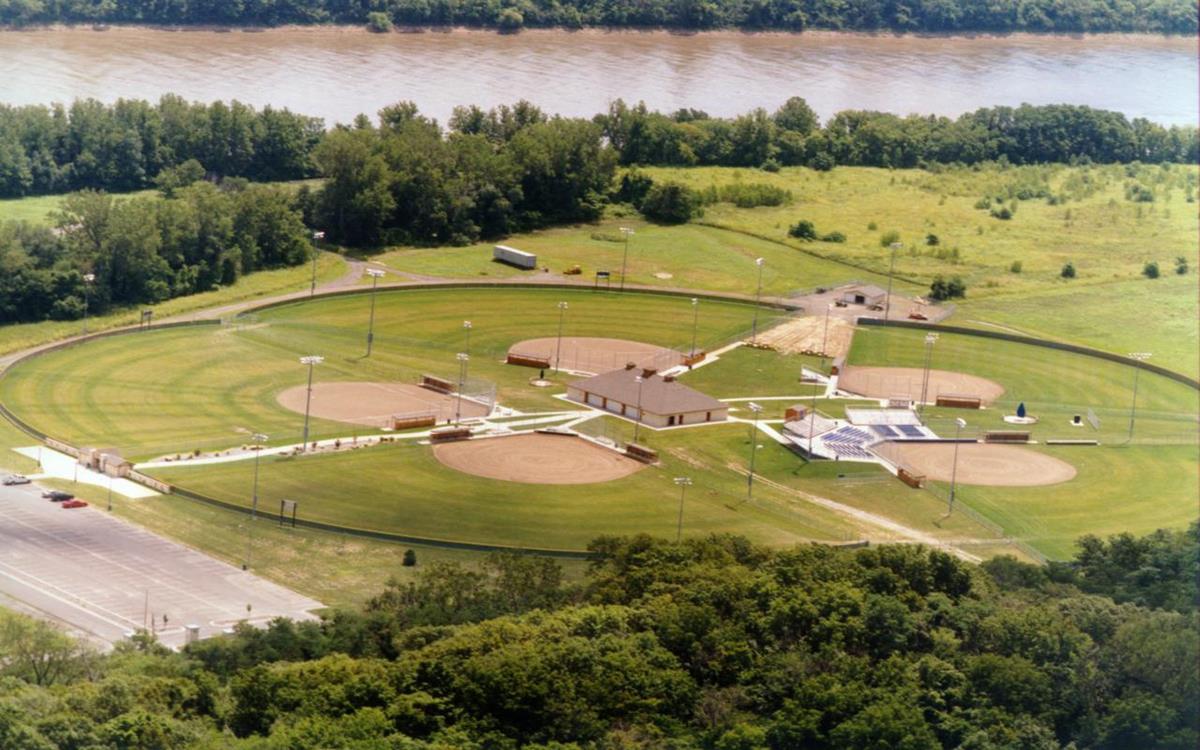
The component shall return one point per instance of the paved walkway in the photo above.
(56, 465)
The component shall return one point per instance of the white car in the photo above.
(15, 479)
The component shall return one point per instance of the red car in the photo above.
(74, 504)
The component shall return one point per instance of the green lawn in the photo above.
(173, 391)
(754, 372)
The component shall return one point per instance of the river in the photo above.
(336, 73)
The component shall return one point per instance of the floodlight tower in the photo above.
(959, 424)
(753, 449)
(887, 302)
(625, 256)
(88, 278)
(1138, 358)
(316, 237)
(930, 340)
(695, 324)
(375, 274)
(260, 439)
(463, 358)
(562, 311)
(757, 298)
(682, 483)
(637, 424)
(312, 361)
(467, 329)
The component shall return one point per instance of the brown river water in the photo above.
(336, 73)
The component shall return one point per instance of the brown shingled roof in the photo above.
(659, 396)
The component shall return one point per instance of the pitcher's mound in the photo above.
(536, 459)
(981, 463)
(905, 382)
(375, 404)
(597, 355)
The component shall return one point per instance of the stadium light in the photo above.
(959, 424)
(753, 449)
(682, 483)
(887, 301)
(757, 298)
(317, 237)
(562, 310)
(695, 324)
(259, 438)
(625, 257)
(824, 338)
(636, 425)
(1139, 358)
(930, 340)
(463, 358)
(467, 328)
(88, 278)
(311, 360)
(375, 275)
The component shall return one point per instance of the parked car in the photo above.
(57, 496)
(74, 504)
(15, 479)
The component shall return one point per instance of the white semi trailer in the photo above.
(514, 257)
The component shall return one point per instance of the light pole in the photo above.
(375, 275)
(753, 449)
(930, 340)
(887, 303)
(812, 423)
(246, 556)
(311, 360)
(317, 237)
(1139, 358)
(562, 311)
(640, 380)
(825, 337)
(757, 298)
(110, 493)
(625, 257)
(88, 278)
(958, 425)
(682, 483)
(463, 358)
(259, 438)
(695, 324)
(467, 328)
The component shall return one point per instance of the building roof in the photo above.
(658, 396)
(867, 290)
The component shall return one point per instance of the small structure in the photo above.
(106, 461)
(514, 257)
(867, 294)
(664, 401)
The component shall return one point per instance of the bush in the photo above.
(803, 230)
(1068, 270)
(822, 162)
(771, 165)
(834, 236)
(1181, 265)
(872, 226)
(984, 203)
(932, 240)
(1015, 267)
(889, 238)
(943, 289)
(1004, 213)
(410, 558)
(634, 186)
(379, 22)
(671, 203)
(510, 20)
(750, 195)
(1150, 270)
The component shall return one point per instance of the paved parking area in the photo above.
(110, 578)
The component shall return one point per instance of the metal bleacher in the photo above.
(884, 431)
(911, 431)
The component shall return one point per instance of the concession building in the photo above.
(664, 401)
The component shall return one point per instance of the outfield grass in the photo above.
(745, 372)
(174, 391)
(254, 286)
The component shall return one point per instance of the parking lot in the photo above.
(109, 578)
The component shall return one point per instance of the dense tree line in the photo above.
(793, 136)
(124, 146)
(497, 172)
(713, 643)
(1160, 16)
(144, 250)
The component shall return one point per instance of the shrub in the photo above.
(634, 186)
(803, 230)
(943, 289)
(410, 558)
(1181, 265)
(510, 20)
(1150, 270)
(1015, 267)
(771, 165)
(750, 195)
(834, 236)
(1068, 270)
(1004, 213)
(871, 227)
(822, 162)
(888, 238)
(671, 203)
(983, 203)
(932, 240)
(379, 22)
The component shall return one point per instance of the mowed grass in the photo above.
(1151, 483)
(686, 257)
(746, 372)
(175, 391)
(20, 336)
(403, 488)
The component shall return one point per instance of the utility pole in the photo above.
(375, 275)
(312, 360)
(683, 483)
(1139, 358)
(317, 237)
(887, 303)
(625, 257)
(753, 450)
(958, 425)
(562, 310)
